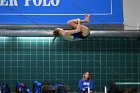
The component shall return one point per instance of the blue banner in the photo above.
(59, 11)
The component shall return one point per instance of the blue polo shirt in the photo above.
(83, 85)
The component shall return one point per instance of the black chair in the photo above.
(48, 89)
(62, 89)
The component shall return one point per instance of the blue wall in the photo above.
(59, 12)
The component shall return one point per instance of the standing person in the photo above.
(86, 83)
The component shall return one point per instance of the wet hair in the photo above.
(84, 75)
(55, 33)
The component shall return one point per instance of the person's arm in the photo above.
(81, 85)
(91, 85)
(70, 32)
(78, 26)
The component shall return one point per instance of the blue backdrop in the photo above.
(59, 11)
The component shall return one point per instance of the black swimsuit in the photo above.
(79, 35)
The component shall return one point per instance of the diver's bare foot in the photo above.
(87, 17)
